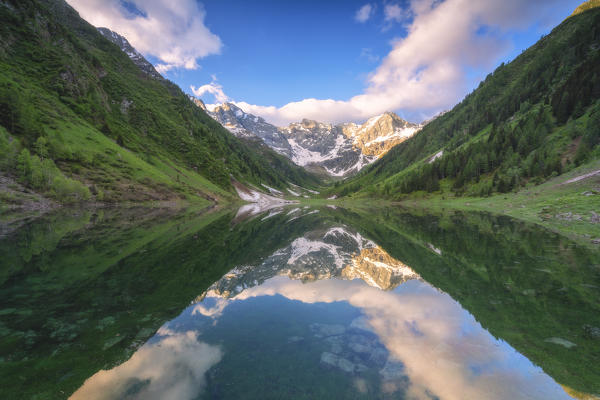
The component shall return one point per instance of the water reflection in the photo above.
(296, 303)
(398, 336)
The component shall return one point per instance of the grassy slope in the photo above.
(109, 125)
(548, 204)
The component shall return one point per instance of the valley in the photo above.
(383, 200)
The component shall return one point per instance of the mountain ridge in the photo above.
(338, 149)
(133, 54)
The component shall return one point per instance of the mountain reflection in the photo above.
(336, 252)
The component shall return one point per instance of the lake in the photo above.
(295, 303)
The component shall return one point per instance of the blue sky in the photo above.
(277, 52)
(287, 60)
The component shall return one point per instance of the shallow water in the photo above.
(296, 303)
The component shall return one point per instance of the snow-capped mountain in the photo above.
(336, 252)
(247, 125)
(317, 144)
(340, 150)
(128, 49)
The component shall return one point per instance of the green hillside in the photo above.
(79, 120)
(529, 120)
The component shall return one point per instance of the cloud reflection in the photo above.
(445, 350)
(170, 368)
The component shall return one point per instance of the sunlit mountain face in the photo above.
(330, 313)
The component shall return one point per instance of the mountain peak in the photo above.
(389, 116)
(232, 109)
(199, 103)
(230, 106)
(311, 123)
(380, 133)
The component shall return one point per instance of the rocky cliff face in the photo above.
(128, 49)
(339, 150)
(242, 124)
(379, 134)
(335, 253)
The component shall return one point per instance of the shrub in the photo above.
(69, 190)
(41, 147)
(36, 178)
(9, 149)
(24, 166)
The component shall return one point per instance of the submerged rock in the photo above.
(592, 331)
(351, 350)
(331, 360)
(325, 330)
(295, 339)
(392, 370)
(361, 323)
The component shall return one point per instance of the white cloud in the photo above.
(172, 31)
(213, 88)
(364, 13)
(395, 13)
(425, 72)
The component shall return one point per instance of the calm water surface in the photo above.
(295, 303)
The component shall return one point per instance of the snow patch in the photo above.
(302, 247)
(436, 156)
(260, 202)
(303, 157)
(272, 190)
(272, 213)
(396, 134)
